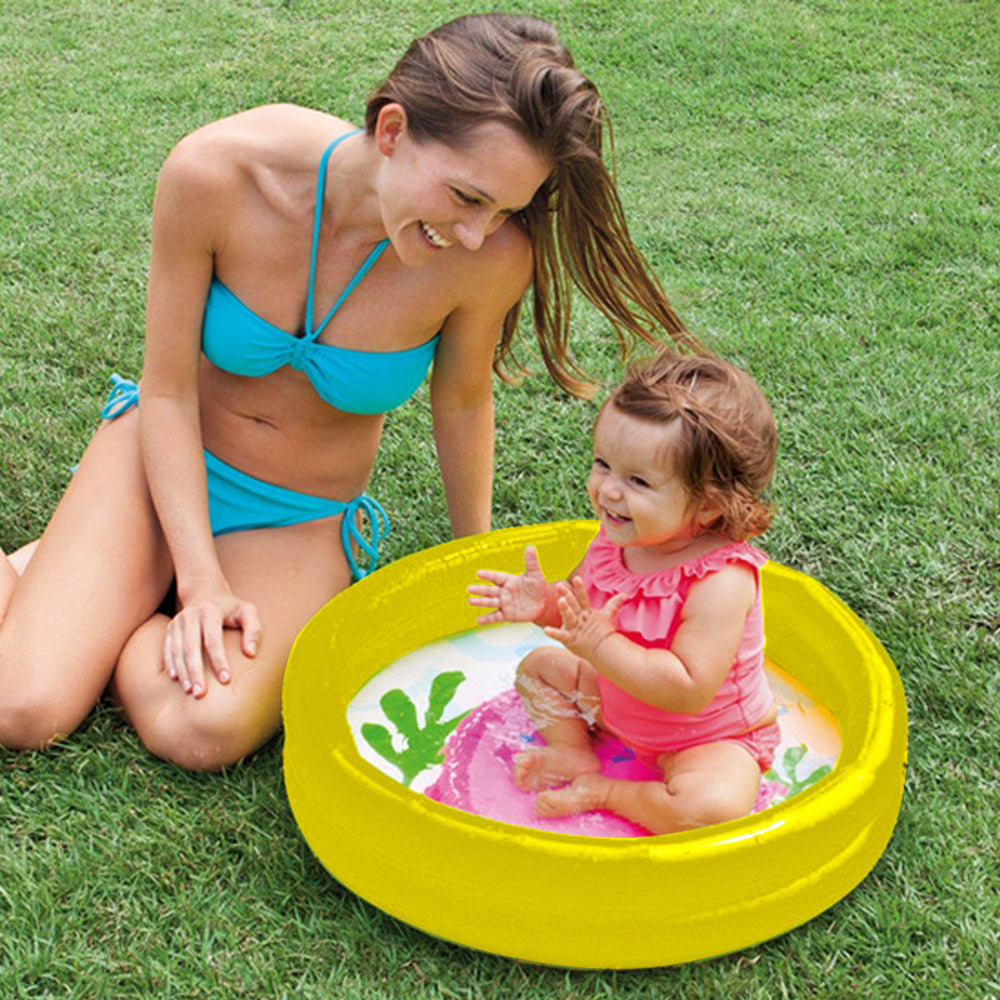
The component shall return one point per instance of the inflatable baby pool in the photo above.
(399, 727)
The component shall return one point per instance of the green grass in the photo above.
(816, 182)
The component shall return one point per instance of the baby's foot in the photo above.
(548, 767)
(586, 792)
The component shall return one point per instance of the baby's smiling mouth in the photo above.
(615, 518)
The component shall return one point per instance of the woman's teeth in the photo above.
(435, 238)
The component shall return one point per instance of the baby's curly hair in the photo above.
(728, 441)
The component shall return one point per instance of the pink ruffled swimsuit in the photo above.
(650, 617)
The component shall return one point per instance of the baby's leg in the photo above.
(559, 692)
(707, 784)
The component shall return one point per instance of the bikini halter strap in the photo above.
(310, 333)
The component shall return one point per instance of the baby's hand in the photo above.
(583, 627)
(514, 598)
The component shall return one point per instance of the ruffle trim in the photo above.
(655, 598)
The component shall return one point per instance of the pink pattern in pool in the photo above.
(477, 773)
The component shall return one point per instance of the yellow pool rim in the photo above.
(572, 901)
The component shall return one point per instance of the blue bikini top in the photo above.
(237, 340)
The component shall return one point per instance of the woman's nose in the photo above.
(472, 231)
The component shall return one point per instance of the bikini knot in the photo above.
(350, 532)
(123, 396)
(299, 353)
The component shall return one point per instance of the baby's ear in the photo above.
(709, 517)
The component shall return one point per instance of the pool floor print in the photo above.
(444, 720)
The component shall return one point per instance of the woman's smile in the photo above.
(434, 237)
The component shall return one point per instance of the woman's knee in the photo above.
(32, 718)
(206, 734)
(41, 700)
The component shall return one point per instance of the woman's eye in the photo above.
(465, 199)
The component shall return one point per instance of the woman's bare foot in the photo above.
(586, 792)
(550, 766)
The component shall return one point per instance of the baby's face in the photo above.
(634, 487)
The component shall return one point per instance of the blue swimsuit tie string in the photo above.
(123, 396)
(378, 522)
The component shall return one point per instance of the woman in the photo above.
(304, 277)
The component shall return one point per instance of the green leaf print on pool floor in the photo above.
(788, 776)
(424, 744)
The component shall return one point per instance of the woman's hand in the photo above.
(583, 626)
(515, 598)
(194, 634)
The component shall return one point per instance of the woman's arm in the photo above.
(462, 381)
(684, 678)
(190, 208)
(462, 410)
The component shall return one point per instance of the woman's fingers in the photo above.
(194, 642)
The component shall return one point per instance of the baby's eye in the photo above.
(599, 463)
(638, 481)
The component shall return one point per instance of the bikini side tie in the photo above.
(123, 396)
(378, 522)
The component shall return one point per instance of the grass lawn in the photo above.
(817, 184)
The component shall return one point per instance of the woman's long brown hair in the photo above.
(514, 70)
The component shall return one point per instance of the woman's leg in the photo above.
(707, 784)
(289, 573)
(559, 692)
(20, 559)
(12, 568)
(99, 570)
(10, 576)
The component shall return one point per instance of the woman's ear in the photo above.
(390, 127)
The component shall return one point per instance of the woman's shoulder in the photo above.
(277, 133)
(495, 275)
(266, 153)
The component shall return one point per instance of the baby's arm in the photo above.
(527, 597)
(683, 678)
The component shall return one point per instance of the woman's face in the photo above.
(435, 197)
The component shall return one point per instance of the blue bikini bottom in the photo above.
(239, 502)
